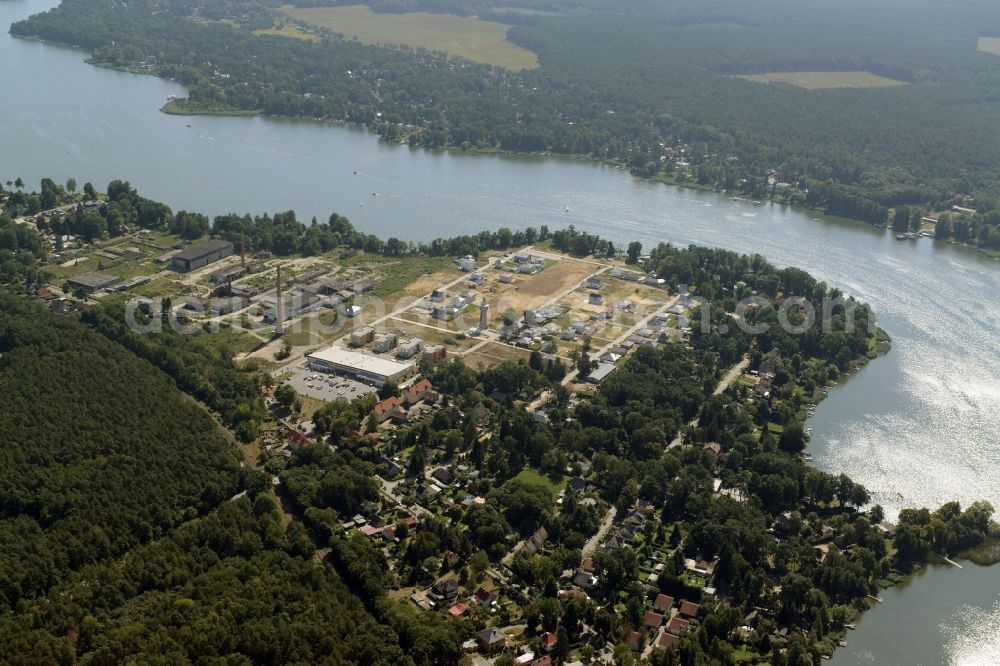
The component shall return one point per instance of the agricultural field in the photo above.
(462, 36)
(989, 45)
(825, 80)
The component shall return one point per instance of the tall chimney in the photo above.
(243, 251)
(484, 315)
(279, 309)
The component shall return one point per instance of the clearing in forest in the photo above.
(463, 36)
(825, 80)
(289, 30)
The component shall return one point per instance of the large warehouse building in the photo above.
(364, 367)
(91, 282)
(202, 254)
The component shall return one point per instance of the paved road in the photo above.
(731, 376)
(602, 531)
(727, 380)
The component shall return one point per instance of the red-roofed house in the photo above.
(635, 641)
(667, 640)
(652, 620)
(677, 625)
(418, 392)
(663, 602)
(458, 609)
(548, 641)
(689, 609)
(384, 409)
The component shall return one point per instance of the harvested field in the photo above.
(463, 36)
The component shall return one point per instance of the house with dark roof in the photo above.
(491, 639)
(446, 588)
(443, 475)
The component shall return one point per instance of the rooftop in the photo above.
(374, 364)
(201, 249)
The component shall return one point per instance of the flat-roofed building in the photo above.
(202, 254)
(362, 336)
(372, 369)
(385, 342)
(410, 348)
(94, 281)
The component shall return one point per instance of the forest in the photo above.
(649, 85)
(89, 472)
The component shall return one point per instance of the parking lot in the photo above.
(327, 387)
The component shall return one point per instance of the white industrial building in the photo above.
(375, 370)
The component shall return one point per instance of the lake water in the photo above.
(920, 426)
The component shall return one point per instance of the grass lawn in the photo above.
(398, 274)
(232, 338)
(825, 80)
(463, 36)
(537, 478)
(775, 428)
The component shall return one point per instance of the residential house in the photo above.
(443, 475)
(385, 409)
(663, 603)
(491, 640)
(548, 640)
(483, 597)
(594, 282)
(678, 625)
(391, 467)
(652, 620)
(418, 391)
(585, 580)
(689, 609)
(714, 449)
(595, 298)
(445, 588)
